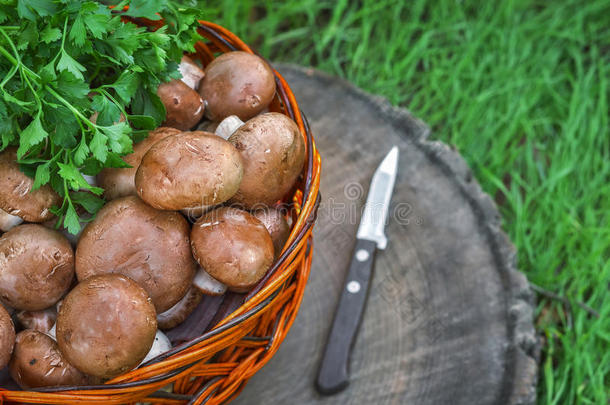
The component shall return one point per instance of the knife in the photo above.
(333, 374)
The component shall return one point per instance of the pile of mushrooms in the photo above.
(198, 212)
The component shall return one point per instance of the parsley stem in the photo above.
(8, 56)
(24, 70)
(69, 106)
(15, 59)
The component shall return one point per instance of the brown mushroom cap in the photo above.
(237, 83)
(183, 105)
(17, 198)
(233, 247)
(37, 362)
(149, 246)
(189, 170)
(36, 267)
(120, 182)
(179, 312)
(276, 224)
(273, 154)
(7, 308)
(41, 321)
(7, 337)
(191, 72)
(106, 325)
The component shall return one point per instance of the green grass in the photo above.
(521, 88)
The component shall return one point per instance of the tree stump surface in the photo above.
(449, 316)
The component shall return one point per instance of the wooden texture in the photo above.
(449, 317)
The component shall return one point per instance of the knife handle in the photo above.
(333, 374)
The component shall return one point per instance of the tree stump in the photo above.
(449, 317)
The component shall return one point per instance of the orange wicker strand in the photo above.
(215, 367)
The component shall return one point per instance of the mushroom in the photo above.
(149, 246)
(241, 263)
(41, 321)
(273, 154)
(7, 337)
(228, 126)
(37, 362)
(191, 72)
(17, 197)
(237, 83)
(119, 182)
(36, 267)
(207, 284)
(184, 107)
(106, 325)
(179, 312)
(161, 345)
(189, 170)
(276, 224)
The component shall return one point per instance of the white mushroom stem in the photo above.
(227, 126)
(52, 333)
(91, 180)
(41, 321)
(191, 72)
(8, 221)
(161, 345)
(208, 284)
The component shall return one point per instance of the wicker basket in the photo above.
(215, 367)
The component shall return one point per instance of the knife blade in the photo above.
(333, 375)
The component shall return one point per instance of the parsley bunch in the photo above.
(61, 62)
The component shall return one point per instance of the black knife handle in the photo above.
(333, 374)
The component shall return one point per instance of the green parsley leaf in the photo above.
(145, 8)
(32, 135)
(98, 146)
(88, 201)
(75, 179)
(66, 126)
(81, 153)
(142, 121)
(43, 175)
(126, 86)
(24, 11)
(71, 220)
(118, 137)
(50, 34)
(148, 103)
(66, 62)
(96, 24)
(78, 34)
